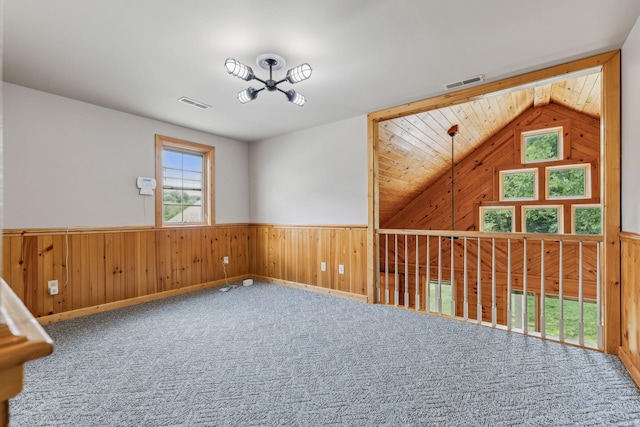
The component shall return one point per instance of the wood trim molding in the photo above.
(312, 226)
(470, 94)
(45, 320)
(627, 361)
(16, 232)
(630, 237)
(317, 289)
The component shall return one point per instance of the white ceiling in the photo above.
(140, 56)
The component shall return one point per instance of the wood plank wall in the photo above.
(111, 265)
(474, 174)
(630, 348)
(107, 266)
(294, 254)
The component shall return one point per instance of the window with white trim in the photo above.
(542, 219)
(519, 184)
(497, 219)
(542, 145)
(184, 171)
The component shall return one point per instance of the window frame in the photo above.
(535, 132)
(499, 207)
(536, 184)
(208, 188)
(583, 206)
(587, 180)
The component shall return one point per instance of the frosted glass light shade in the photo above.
(296, 98)
(247, 95)
(238, 69)
(299, 73)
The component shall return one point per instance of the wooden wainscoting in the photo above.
(100, 269)
(630, 349)
(293, 255)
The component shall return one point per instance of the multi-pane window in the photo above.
(182, 185)
(545, 189)
(185, 170)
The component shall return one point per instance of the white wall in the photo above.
(631, 131)
(315, 176)
(69, 164)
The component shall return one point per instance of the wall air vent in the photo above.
(194, 103)
(465, 82)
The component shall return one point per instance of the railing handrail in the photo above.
(488, 235)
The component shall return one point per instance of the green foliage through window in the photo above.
(497, 220)
(587, 220)
(518, 185)
(567, 182)
(542, 220)
(542, 147)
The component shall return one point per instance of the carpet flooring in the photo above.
(268, 355)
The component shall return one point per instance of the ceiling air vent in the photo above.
(194, 103)
(465, 82)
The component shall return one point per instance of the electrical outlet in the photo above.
(225, 260)
(52, 287)
(341, 269)
(323, 266)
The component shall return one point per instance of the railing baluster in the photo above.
(508, 284)
(479, 290)
(517, 310)
(417, 274)
(466, 283)
(542, 291)
(580, 296)
(494, 308)
(386, 269)
(378, 272)
(598, 298)
(406, 271)
(439, 287)
(561, 294)
(427, 304)
(525, 302)
(453, 294)
(396, 291)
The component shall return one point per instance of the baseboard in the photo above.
(317, 289)
(627, 361)
(52, 318)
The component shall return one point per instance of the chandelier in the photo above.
(270, 62)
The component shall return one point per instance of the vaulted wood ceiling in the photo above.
(415, 150)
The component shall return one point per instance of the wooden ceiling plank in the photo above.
(542, 95)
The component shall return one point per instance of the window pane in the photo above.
(541, 147)
(192, 198)
(445, 296)
(192, 214)
(541, 220)
(567, 182)
(518, 185)
(171, 159)
(192, 162)
(587, 220)
(571, 311)
(497, 220)
(172, 197)
(172, 213)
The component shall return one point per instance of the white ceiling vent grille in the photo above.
(194, 103)
(465, 82)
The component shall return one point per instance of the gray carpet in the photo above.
(268, 355)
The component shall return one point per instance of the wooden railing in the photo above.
(544, 285)
(21, 339)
